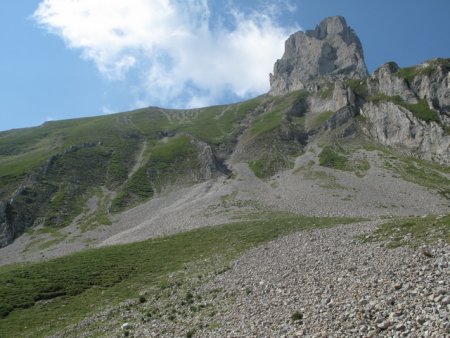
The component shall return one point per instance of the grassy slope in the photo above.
(168, 162)
(413, 231)
(107, 147)
(38, 299)
(270, 141)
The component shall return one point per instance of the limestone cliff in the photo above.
(396, 126)
(409, 108)
(331, 51)
(405, 108)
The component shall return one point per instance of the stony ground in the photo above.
(327, 283)
(307, 189)
(320, 283)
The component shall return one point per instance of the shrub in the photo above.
(359, 87)
(296, 316)
(408, 73)
(422, 111)
(332, 159)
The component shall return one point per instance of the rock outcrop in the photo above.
(407, 108)
(332, 51)
(425, 87)
(341, 96)
(395, 126)
(432, 82)
(384, 81)
(207, 163)
(427, 81)
(6, 231)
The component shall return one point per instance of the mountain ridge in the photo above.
(406, 109)
(321, 210)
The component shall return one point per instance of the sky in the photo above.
(64, 59)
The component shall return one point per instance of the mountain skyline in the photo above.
(204, 222)
(49, 73)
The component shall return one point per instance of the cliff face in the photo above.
(409, 108)
(396, 126)
(331, 51)
(6, 234)
(404, 108)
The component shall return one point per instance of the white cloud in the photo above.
(172, 44)
(106, 110)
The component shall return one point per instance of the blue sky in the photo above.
(65, 59)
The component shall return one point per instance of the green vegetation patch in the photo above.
(273, 117)
(325, 180)
(331, 158)
(338, 157)
(379, 97)
(99, 215)
(170, 160)
(326, 92)
(268, 165)
(168, 163)
(218, 124)
(76, 172)
(409, 73)
(137, 189)
(50, 295)
(422, 111)
(44, 237)
(320, 119)
(278, 156)
(359, 87)
(413, 231)
(424, 173)
(360, 166)
(274, 140)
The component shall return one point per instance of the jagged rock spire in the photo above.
(331, 51)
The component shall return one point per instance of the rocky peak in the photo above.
(329, 52)
(385, 81)
(331, 26)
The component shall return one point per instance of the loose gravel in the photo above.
(339, 287)
(318, 283)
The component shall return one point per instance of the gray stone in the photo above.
(445, 300)
(383, 81)
(383, 325)
(400, 327)
(331, 51)
(397, 286)
(396, 126)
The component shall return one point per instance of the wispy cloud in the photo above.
(178, 52)
(107, 111)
